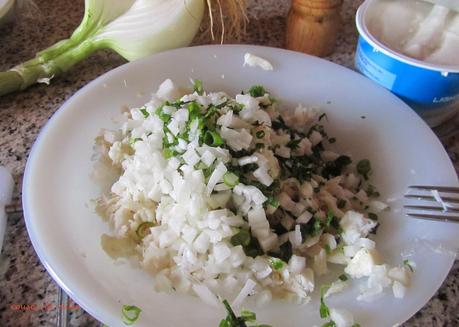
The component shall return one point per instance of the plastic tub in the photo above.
(431, 90)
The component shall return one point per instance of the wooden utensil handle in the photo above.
(313, 26)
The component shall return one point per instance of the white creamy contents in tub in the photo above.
(417, 29)
(227, 197)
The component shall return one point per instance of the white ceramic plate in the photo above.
(66, 232)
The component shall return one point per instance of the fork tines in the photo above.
(433, 202)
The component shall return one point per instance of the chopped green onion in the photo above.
(259, 146)
(276, 263)
(285, 252)
(330, 217)
(273, 202)
(260, 134)
(243, 238)
(294, 144)
(341, 203)
(317, 227)
(144, 112)
(194, 110)
(213, 138)
(372, 216)
(134, 139)
(324, 310)
(247, 315)
(163, 116)
(330, 323)
(406, 262)
(343, 277)
(364, 168)
(197, 87)
(144, 229)
(230, 179)
(327, 248)
(372, 191)
(169, 153)
(257, 91)
(131, 314)
(232, 320)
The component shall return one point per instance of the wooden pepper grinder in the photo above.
(313, 26)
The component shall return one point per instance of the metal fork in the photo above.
(433, 202)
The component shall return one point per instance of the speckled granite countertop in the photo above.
(28, 296)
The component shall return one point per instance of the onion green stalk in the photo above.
(132, 28)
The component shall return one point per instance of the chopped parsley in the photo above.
(257, 91)
(364, 168)
(144, 112)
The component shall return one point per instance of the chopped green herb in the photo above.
(330, 323)
(134, 139)
(260, 134)
(243, 238)
(197, 87)
(372, 216)
(327, 248)
(285, 252)
(230, 179)
(343, 277)
(248, 315)
(257, 91)
(335, 168)
(276, 263)
(406, 262)
(364, 168)
(341, 203)
(330, 217)
(194, 110)
(144, 229)
(259, 146)
(372, 191)
(213, 138)
(131, 314)
(169, 153)
(273, 202)
(324, 310)
(232, 320)
(144, 112)
(294, 144)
